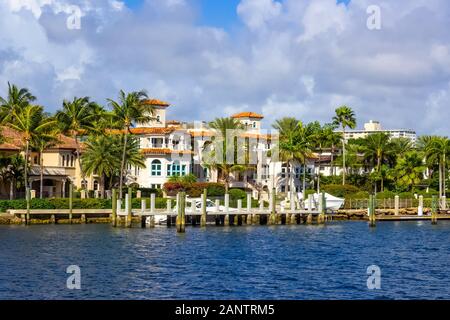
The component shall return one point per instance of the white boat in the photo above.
(210, 209)
(332, 203)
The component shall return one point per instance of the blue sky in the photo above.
(213, 58)
(217, 13)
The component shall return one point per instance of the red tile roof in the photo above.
(159, 151)
(156, 102)
(247, 115)
(13, 140)
(145, 130)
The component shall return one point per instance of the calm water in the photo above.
(284, 262)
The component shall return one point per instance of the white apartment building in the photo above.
(375, 127)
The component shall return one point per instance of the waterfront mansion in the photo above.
(170, 148)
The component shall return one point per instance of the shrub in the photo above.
(406, 195)
(386, 195)
(359, 195)
(236, 194)
(340, 191)
(195, 189)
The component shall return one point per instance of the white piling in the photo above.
(227, 202)
(152, 202)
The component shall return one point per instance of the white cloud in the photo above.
(288, 58)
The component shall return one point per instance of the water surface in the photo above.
(281, 262)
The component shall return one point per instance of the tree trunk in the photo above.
(318, 174)
(332, 160)
(102, 186)
(304, 181)
(11, 189)
(41, 181)
(77, 151)
(343, 156)
(26, 167)
(440, 179)
(122, 165)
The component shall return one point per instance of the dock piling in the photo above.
(372, 218)
(397, 205)
(203, 217)
(227, 206)
(434, 209)
(169, 210)
(70, 201)
(114, 208)
(128, 208)
(181, 218)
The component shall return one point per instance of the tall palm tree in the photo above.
(325, 137)
(345, 117)
(74, 119)
(31, 122)
(376, 149)
(17, 99)
(217, 151)
(40, 143)
(294, 146)
(437, 149)
(129, 110)
(101, 157)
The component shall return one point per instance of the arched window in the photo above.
(156, 168)
(71, 161)
(95, 185)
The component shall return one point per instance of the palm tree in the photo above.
(40, 143)
(325, 137)
(18, 99)
(12, 170)
(294, 145)
(31, 122)
(345, 117)
(376, 149)
(74, 119)
(409, 170)
(129, 110)
(101, 157)
(287, 128)
(437, 150)
(219, 149)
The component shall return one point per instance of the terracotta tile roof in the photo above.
(159, 151)
(13, 140)
(247, 115)
(210, 133)
(156, 102)
(173, 122)
(145, 130)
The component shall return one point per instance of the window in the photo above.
(254, 125)
(63, 160)
(175, 169)
(36, 160)
(156, 186)
(71, 161)
(156, 168)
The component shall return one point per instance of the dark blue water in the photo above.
(283, 262)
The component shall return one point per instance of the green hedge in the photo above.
(340, 191)
(195, 189)
(160, 203)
